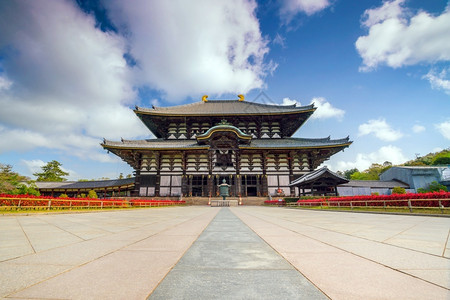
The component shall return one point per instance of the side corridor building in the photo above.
(198, 145)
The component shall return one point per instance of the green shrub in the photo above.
(92, 194)
(436, 187)
(398, 190)
(63, 196)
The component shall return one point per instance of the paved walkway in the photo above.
(127, 254)
(229, 261)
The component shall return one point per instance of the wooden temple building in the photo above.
(198, 145)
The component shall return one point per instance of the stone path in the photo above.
(229, 261)
(264, 251)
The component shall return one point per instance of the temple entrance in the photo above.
(199, 185)
(250, 185)
(252, 191)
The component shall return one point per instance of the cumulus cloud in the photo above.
(397, 37)
(364, 160)
(288, 101)
(65, 83)
(418, 128)
(36, 165)
(290, 8)
(444, 129)
(439, 80)
(181, 49)
(380, 129)
(324, 108)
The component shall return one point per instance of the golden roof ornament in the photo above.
(205, 98)
(241, 97)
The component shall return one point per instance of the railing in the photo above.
(441, 204)
(23, 203)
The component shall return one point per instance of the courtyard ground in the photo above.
(227, 253)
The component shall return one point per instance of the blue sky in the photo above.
(71, 72)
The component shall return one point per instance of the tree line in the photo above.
(15, 184)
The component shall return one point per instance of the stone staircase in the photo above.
(254, 201)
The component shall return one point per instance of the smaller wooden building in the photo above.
(103, 188)
(321, 182)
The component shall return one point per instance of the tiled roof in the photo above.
(84, 184)
(224, 107)
(255, 143)
(316, 174)
(376, 183)
(297, 142)
(151, 144)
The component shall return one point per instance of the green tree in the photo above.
(9, 180)
(436, 187)
(51, 172)
(92, 194)
(28, 188)
(372, 173)
(398, 190)
(442, 158)
(348, 173)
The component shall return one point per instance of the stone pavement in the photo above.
(229, 261)
(127, 254)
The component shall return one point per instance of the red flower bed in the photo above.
(275, 202)
(425, 200)
(46, 201)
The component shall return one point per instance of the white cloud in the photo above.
(288, 101)
(380, 129)
(325, 110)
(399, 38)
(444, 129)
(418, 128)
(389, 10)
(5, 84)
(279, 40)
(68, 84)
(289, 8)
(439, 81)
(190, 49)
(365, 160)
(36, 165)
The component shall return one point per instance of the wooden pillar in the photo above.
(264, 184)
(190, 185)
(137, 183)
(237, 178)
(291, 172)
(158, 173)
(210, 186)
(184, 177)
(258, 185)
(210, 192)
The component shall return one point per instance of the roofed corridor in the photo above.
(127, 254)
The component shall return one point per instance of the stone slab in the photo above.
(229, 261)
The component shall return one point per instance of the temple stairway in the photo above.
(205, 200)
